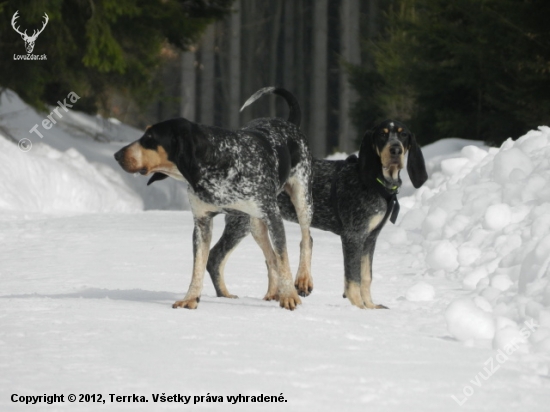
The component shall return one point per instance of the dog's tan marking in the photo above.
(391, 168)
(221, 281)
(353, 293)
(246, 206)
(288, 297)
(146, 161)
(280, 279)
(366, 281)
(199, 207)
(366, 266)
(400, 129)
(386, 130)
(192, 297)
(304, 280)
(375, 221)
(258, 228)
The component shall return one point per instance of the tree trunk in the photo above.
(248, 17)
(289, 47)
(317, 130)
(207, 78)
(350, 53)
(235, 67)
(188, 85)
(274, 42)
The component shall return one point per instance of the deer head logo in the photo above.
(29, 40)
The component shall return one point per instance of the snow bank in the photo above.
(483, 218)
(76, 140)
(49, 181)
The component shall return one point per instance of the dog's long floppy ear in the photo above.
(156, 176)
(191, 150)
(416, 166)
(369, 161)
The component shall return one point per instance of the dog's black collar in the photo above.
(389, 192)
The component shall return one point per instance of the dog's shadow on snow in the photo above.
(135, 295)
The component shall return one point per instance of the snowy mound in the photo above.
(484, 219)
(48, 181)
(77, 149)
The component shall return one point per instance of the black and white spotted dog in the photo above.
(239, 173)
(352, 198)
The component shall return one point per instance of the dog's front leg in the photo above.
(202, 235)
(288, 297)
(366, 271)
(352, 248)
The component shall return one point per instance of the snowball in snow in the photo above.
(546, 295)
(451, 167)
(443, 256)
(483, 304)
(543, 346)
(434, 221)
(501, 282)
(506, 161)
(421, 292)
(510, 339)
(502, 322)
(473, 153)
(544, 318)
(467, 255)
(471, 279)
(467, 321)
(497, 216)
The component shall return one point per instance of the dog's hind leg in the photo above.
(202, 235)
(288, 297)
(302, 200)
(236, 229)
(259, 231)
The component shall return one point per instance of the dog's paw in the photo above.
(304, 285)
(271, 296)
(290, 301)
(373, 306)
(230, 296)
(187, 303)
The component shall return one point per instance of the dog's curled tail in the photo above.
(295, 115)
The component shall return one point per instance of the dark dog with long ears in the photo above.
(352, 198)
(239, 173)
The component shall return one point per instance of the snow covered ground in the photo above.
(85, 304)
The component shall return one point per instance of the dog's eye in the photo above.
(148, 141)
(404, 135)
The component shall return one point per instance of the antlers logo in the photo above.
(29, 40)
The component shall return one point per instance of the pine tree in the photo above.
(468, 68)
(97, 46)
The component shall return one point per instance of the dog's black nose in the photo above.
(396, 149)
(118, 155)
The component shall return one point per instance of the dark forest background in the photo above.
(476, 69)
